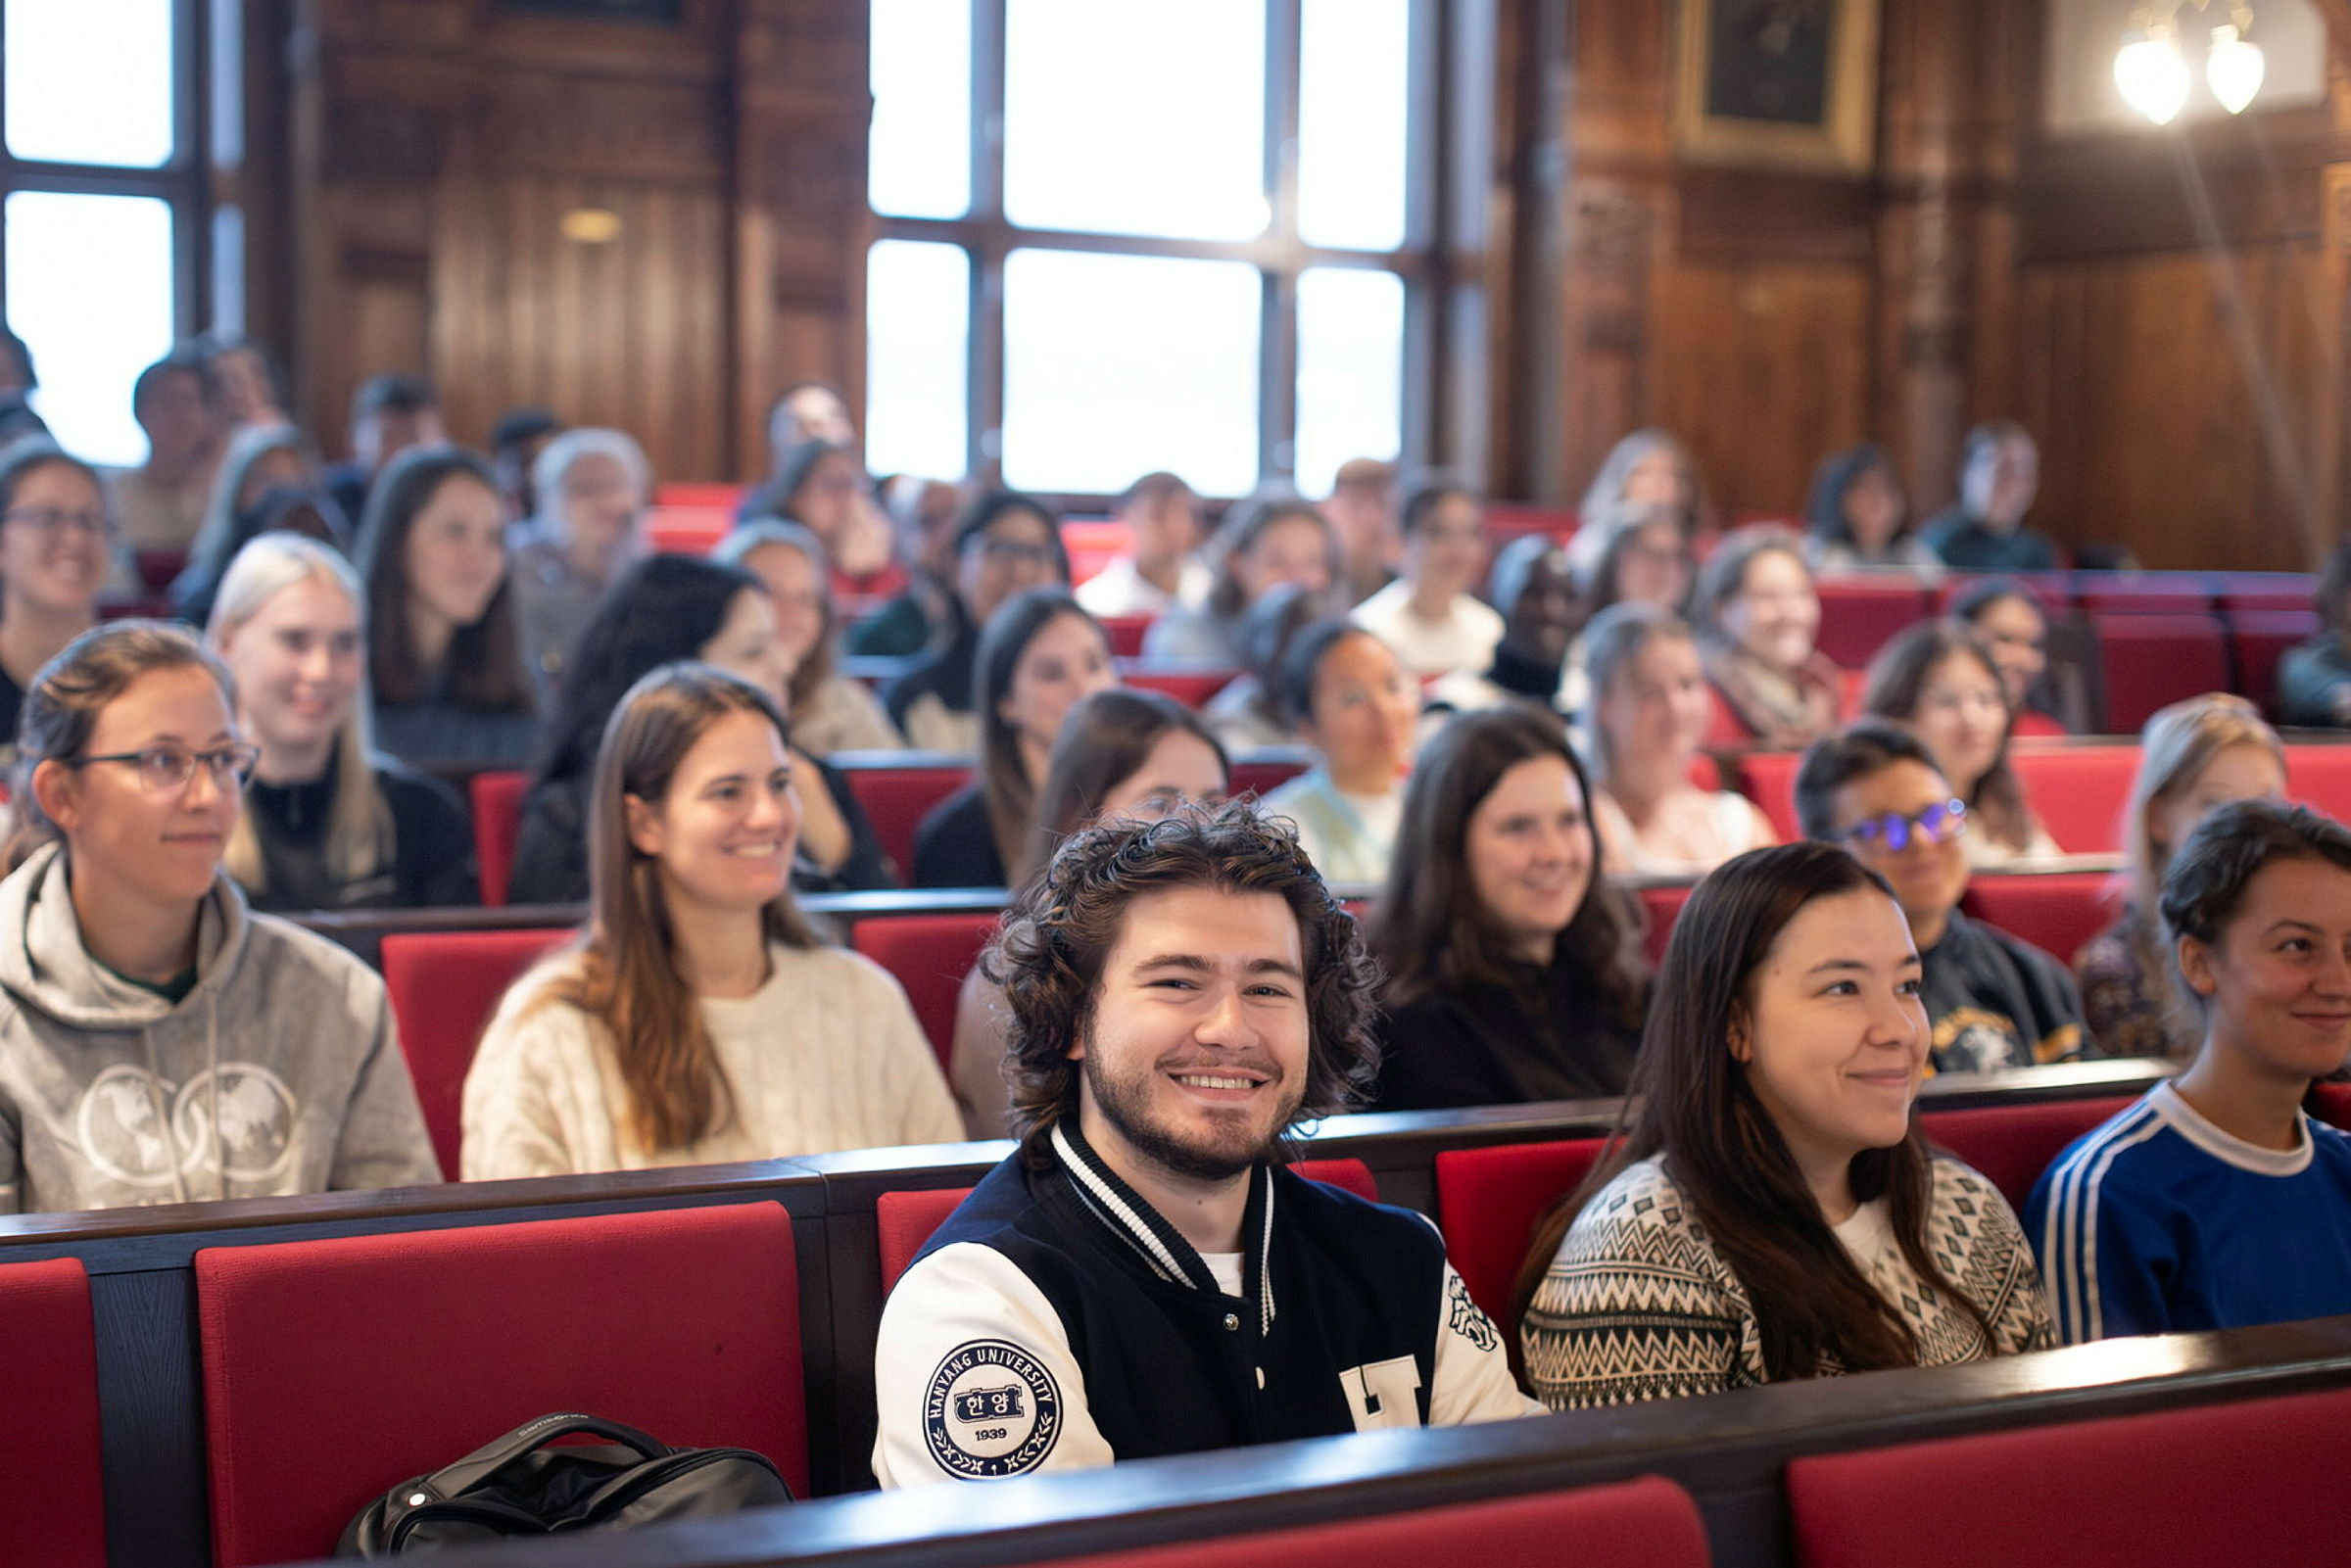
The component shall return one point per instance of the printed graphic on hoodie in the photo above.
(122, 1128)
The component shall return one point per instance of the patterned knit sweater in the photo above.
(1638, 1305)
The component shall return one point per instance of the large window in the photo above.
(100, 173)
(1120, 237)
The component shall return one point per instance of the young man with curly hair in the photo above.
(1145, 1275)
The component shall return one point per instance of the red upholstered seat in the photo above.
(2077, 792)
(2321, 776)
(2245, 1483)
(2054, 589)
(1661, 906)
(52, 1488)
(2258, 640)
(1488, 1201)
(1858, 614)
(2033, 725)
(2012, 1144)
(336, 1369)
(895, 798)
(2143, 592)
(1261, 775)
(496, 798)
(2152, 661)
(2056, 912)
(443, 988)
(930, 954)
(2330, 1102)
(1648, 1523)
(1189, 687)
(904, 1220)
(2264, 591)
(1768, 778)
(1126, 633)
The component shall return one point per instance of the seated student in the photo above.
(1042, 655)
(593, 488)
(1758, 617)
(327, 824)
(444, 652)
(1993, 1000)
(1270, 537)
(1513, 972)
(1006, 543)
(665, 609)
(1164, 570)
(1429, 615)
(823, 485)
(1999, 474)
(54, 534)
(922, 514)
(2314, 680)
(1183, 992)
(160, 1043)
(1649, 713)
(1246, 713)
(1940, 684)
(697, 1017)
(1358, 708)
(178, 403)
(2215, 1202)
(515, 443)
(253, 388)
(2192, 756)
(265, 483)
(1770, 1211)
(1647, 471)
(2010, 623)
(1533, 590)
(1360, 510)
(1858, 517)
(829, 711)
(389, 414)
(1122, 756)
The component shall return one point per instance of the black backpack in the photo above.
(519, 1485)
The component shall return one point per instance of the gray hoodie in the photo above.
(280, 1072)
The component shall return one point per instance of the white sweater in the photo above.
(825, 1056)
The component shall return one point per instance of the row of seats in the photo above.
(331, 1368)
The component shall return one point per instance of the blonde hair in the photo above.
(361, 840)
(2174, 749)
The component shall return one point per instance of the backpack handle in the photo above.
(494, 1456)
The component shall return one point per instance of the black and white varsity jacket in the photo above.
(1057, 1321)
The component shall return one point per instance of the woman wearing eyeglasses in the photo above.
(53, 562)
(162, 1044)
(1941, 684)
(1994, 1001)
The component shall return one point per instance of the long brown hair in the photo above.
(623, 968)
(1005, 788)
(1430, 932)
(1104, 740)
(485, 659)
(1897, 683)
(1691, 1102)
(758, 533)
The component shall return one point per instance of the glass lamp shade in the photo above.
(2233, 69)
(2152, 77)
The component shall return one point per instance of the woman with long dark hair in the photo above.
(1940, 683)
(1513, 969)
(1758, 619)
(697, 1017)
(1858, 516)
(1768, 1208)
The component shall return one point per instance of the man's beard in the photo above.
(1126, 1103)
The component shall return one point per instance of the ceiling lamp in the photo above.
(2152, 75)
(2234, 67)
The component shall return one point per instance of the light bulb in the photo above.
(2234, 68)
(2152, 77)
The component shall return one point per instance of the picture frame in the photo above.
(1778, 84)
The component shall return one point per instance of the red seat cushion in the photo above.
(2330, 1102)
(904, 1220)
(2012, 1144)
(1768, 778)
(2057, 912)
(1191, 687)
(496, 798)
(335, 1369)
(1126, 633)
(2152, 661)
(1660, 906)
(52, 1489)
(896, 799)
(1261, 775)
(2244, 1483)
(2079, 793)
(2266, 590)
(2143, 592)
(1648, 1523)
(2258, 640)
(443, 987)
(2321, 776)
(1488, 1201)
(1859, 614)
(930, 954)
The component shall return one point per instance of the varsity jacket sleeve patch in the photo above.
(1474, 1371)
(974, 1376)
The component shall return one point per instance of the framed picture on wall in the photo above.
(1785, 83)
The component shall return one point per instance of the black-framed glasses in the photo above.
(167, 769)
(1938, 824)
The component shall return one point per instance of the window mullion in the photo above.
(985, 386)
(1277, 377)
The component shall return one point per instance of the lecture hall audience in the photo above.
(1163, 569)
(593, 487)
(2192, 756)
(1513, 972)
(389, 414)
(1771, 1210)
(1269, 538)
(1758, 617)
(1940, 683)
(1533, 590)
(1430, 616)
(1647, 471)
(1005, 543)
(829, 711)
(1358, 710)
(133, 966)
(698, 1017)
(1247, 712)
(1999, 475)
(2014, 629)
(1362, 510)
(1858, 517)
(265, 483)
(177, 402)
(53, 538)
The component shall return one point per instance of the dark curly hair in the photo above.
(1060, 931)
